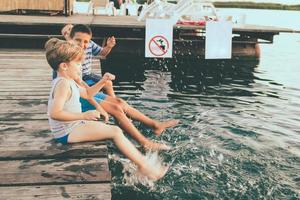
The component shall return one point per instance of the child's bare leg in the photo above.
(126, 124)
(109, 90)
(158, 127)
(94, 131)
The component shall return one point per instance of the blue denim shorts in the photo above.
(63, 139)
(91, 78)
(85, 105)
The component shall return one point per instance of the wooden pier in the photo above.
(130, 34)
(32, 165)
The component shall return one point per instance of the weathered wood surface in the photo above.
(117, 21)
(32, 164)
(54, 171)
(32, 139)
(25, 106)
(57, 192)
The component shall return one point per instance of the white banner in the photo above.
(218, 40)
(159, 38)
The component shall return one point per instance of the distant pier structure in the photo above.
(53, 6)
(189, 41)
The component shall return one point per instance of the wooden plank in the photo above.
(24, 66)
(45, 77)
(27, 64)
(22, 106)
(21, 51)
(22, 97)
(50, 192)
(42, 69)
(27, 73)
(25, 56)
(28, 36)
(33, 80)
(51, 150)
(25, 116)
(51, 171)
(42, 80)
(18, 89)
(26, 103)
(28, 140)
(24, 88)
(16, 82)
(22, 93)
(25, 83)
(25, 126)
(20, 60)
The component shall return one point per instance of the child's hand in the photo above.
(111, 42)
(66, 31)
(109, 77)
(91, 115)
(104, 114)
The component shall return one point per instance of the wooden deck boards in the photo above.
(116, 21)
(32, 165)
(57, 192)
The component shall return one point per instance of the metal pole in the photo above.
(66, 7)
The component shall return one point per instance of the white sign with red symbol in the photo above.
(159, 38)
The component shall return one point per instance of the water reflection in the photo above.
(187, 76)
(231, 143)
(195, 76)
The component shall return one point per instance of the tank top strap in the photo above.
(54, 83)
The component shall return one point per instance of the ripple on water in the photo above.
(238, 137)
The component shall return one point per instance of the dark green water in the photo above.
(239, 136)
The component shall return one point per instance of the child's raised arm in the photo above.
(110, 43)
(88, 92)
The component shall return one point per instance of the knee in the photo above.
(117, 109)
(117, 132)
(121, 103)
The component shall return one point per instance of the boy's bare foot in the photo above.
(161, 126)
(153, 174)
(149, 145)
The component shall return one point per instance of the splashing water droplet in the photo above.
(132, 176)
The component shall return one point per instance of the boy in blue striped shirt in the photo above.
(82, 35)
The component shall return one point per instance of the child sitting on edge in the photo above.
(68, 124)
(117, 107)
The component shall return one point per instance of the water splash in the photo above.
(132, 176)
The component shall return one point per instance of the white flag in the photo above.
(218, 40)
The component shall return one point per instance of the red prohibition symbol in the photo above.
(159, 45)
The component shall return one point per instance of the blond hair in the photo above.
(59, 51)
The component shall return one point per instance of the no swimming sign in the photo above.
(159, 38)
